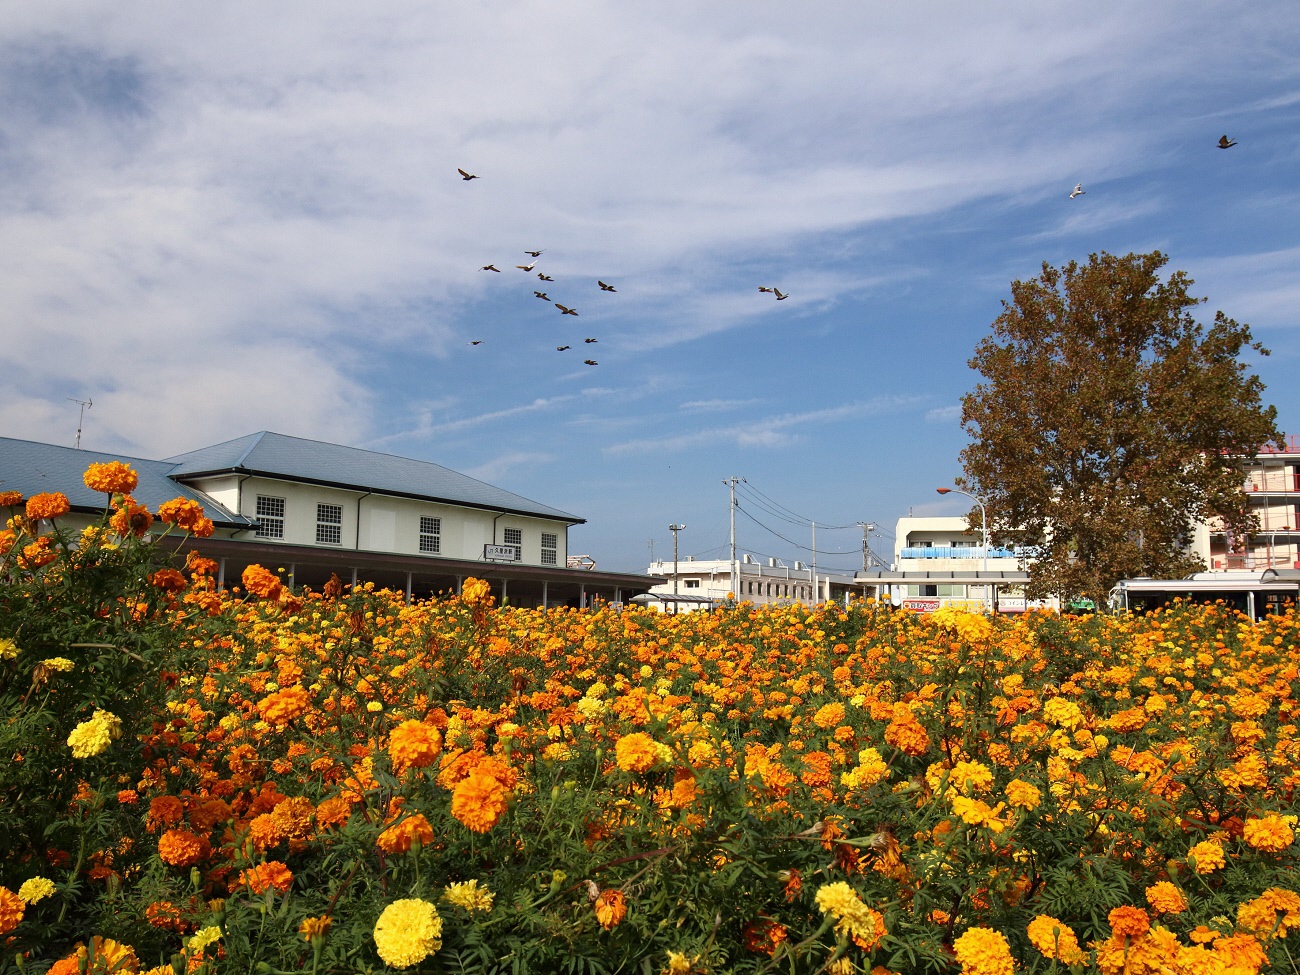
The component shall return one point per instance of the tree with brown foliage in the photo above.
(1109, 421)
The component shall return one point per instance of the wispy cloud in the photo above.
(498, 467)
(943, 414)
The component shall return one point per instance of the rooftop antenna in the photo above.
(85, 404)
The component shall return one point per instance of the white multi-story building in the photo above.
(1272, 483)
(318, 510)
(941, 561)
(705, 583)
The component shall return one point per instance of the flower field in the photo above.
(263, 781)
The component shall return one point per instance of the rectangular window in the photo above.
(550, 548)
(691, 583)
(329, 524)
(430, 535)
(270, 517)
(515, 537)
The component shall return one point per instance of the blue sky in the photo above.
(223, 218)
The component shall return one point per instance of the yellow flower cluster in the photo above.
(92, 737)
(407, 932)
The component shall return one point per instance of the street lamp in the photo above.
(984, 525)
(675, 528)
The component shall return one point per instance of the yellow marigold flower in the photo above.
(1063, 713)
(12, 907)
(469, 896)
(202, 938)
(8, 649)
(407, 932)
(678, 964)
(1022, 795)
(637, 752)
(476, 592)
(315, 927)
(871, 769)
(1055, 939)
(1207, 856)
(1261, 915)
(92, 737)
(61, 664)
(853, 919)
(35, 889)
(478, 801)
(1241, 952)
(113, 477)
(1166, 898)
(977, 813)
(983, 951)
(610, 907)
(1271, 834)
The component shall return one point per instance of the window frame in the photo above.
(266, 519)
(327, 527)
(432, 537)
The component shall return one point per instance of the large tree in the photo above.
(1109, 421)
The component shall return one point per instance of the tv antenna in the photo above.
(85, 404)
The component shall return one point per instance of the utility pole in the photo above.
(85, 404)
(867, 528)
(651, 543)
(817, 596)
(675, 528)
(735, 568)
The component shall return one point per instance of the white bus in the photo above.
(1256, 594)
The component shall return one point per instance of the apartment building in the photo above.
(1272, 483)
(770, 581)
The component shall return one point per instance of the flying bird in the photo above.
(763, 289)
(589, 341)
(466, 176)
(526, 267)
(779, 296)
(542, 295)
(534, 253)
(564, 310)
(477, 342)
(490, 267)
(606, 287)
(1077, 191)
(1226, 143)
(561, 348)
(591, 362)
(544, 277)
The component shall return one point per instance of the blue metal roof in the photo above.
(33, 468)
(295, 459)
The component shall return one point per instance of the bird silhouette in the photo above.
(606, 287)
(589, 341)
(779, 296)
(1077, 191)
(526, 267)
(534, 253)
(767, 290)
(544, 277)
(591, 362)
(466, 176)
(561, 348)
(565, 310)
(1226, 143)
(542, 295)
(490, 267)
(477, 342)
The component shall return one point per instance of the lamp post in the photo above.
(984, 525)
(675, 528)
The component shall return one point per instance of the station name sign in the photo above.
(501, 553)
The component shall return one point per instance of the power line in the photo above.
(787, 514)
(792, 542)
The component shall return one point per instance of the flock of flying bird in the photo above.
(565, 309)
(1223, 143)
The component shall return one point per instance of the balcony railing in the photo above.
(957, 552)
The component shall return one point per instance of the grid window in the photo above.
(431, 535)
(515, 537)
(329, 524)
(550, 549)
(270, 517)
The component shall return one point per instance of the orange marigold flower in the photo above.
(164, 811)
(983, 951)
(1207, 856)
(186, 515)
(1022, 795)
(401, 836)
(638, 752)
(181, 848)
(293, 817)
(264, 831)
(905, 733)
(1272, 834)
(1055, 939)
(413, 744)
(50, 504)
(314, 927)
(262, 582)
(1166, 898)
(478, 802)
(273, 873)
(200, 565)
(164, 915)
(11, 499)
(1128, 921)
(334, 811)
(764, 935)
(1241, 952)
(284, 705)
(38, 553)
(11, 910)
(130, 518)
(829, 715)
(169, 580)
(113, 477)
(610, 907)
